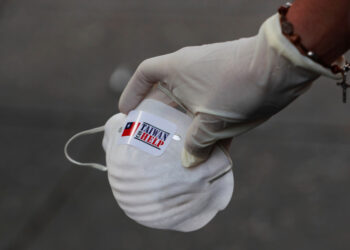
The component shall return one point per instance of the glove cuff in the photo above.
(273, 33)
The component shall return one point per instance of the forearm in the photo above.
(323, 25)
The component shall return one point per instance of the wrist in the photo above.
(277, 41)
(323, 27)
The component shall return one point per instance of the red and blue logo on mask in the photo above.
(146, 133)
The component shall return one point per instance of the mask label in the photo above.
(147, 132)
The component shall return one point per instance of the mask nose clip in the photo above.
(87, 164)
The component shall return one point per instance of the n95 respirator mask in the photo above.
(143, 162)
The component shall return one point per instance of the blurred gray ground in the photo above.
(56, 58)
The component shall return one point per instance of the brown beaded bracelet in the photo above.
(288, 31)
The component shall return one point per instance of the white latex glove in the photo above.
(230, 87)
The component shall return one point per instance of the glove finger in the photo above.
(146, 75)
(201, 137)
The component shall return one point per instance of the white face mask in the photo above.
(143, 156)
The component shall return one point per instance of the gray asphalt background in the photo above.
(56, 58)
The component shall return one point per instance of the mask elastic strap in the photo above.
(88, 164)
(228, 169)
(161, 86)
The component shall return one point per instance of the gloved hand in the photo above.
(230, 87)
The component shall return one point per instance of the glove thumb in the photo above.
(199, 141)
